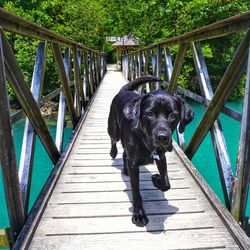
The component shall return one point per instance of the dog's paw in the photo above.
(113, 151)
(158, 183)
(125, 171)
(139, 217)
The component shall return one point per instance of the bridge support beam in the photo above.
(227, 84)
(8, 156)
(241, 186)
(219, 143)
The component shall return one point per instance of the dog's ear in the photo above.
(187, 114)
(131, 111)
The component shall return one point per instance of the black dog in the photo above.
(144, 124)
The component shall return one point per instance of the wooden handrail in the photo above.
(89, 67)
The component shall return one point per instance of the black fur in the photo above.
(144, 124)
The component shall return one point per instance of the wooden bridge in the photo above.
(86, 201)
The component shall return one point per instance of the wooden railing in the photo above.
(156, 59)
(77, 88)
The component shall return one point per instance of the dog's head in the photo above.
(157, 115)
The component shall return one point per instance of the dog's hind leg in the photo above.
(161, 181)
(125, 163)
(139, 218)
(114, 132)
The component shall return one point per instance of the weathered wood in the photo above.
(79, 98)
(64, 81)
(233, 227)
(5, 239)
(170, 239)
(177, 68)
(227, 83)
(158, 65)
(29, 137)
(91, 73)
(27, 101)
(8, 157)
(241, 185)
(62, 106)
(168, 74)
(218, 139)
(89, 80)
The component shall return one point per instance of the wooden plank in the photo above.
(185, 194)
(177, 239)
(8, 157)
(162, 222)
(123, 186)
(122, 207)
(117, 177)
(26, 99)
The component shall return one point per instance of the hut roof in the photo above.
(127, 41)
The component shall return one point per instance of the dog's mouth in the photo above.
(162, 147)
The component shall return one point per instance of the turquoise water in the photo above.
(204, 159)
(42, 164)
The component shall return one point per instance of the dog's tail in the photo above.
(133, 85)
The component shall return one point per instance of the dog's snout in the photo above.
(162, 137)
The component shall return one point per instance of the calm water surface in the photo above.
(204, 159)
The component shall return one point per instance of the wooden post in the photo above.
(62, 105)
(227, 84)
(91, 71)
(87, 74)
(241, 185)
(219, 143)
(26, 99)
(158, 65)
(65, 82)
(168, 74)
(29, 137)
(177, 67)
(8, 157)
(77, 82)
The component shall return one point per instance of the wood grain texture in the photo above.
(90, 207)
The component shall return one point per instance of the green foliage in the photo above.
(89, 21)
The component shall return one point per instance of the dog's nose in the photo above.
(162, 137)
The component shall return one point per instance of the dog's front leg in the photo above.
(139, 217)
(161, 181)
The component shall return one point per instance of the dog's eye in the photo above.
(150, 115)
(173, 116)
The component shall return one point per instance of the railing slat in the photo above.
(168, 74)
(242, 179)
(177, 67)
(29, 137)
(227, 84)
(78, 86)
(218, 139)
(27, 101)
(8, 157)
(64, 81)
(62, 105)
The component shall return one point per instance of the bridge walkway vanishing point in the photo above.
(90, 205)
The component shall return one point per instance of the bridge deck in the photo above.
(90, 207)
